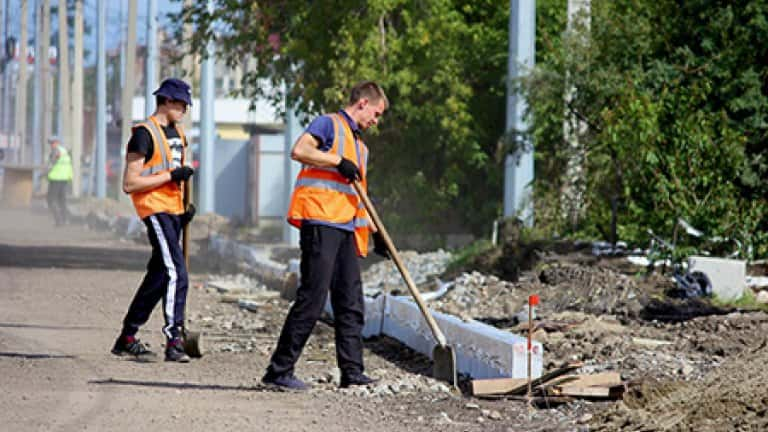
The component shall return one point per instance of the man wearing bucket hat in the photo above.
(155, 173)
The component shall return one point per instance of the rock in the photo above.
(494, 415)
(762, 297)
(585, 418)
(471, 405)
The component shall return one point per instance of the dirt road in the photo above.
(63, 293)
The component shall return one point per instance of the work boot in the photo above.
(174, 351)
(359, 379)
(285, 381)
(129, 345)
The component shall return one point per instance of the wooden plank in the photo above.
(495, 385)
(593, 392)
(599, 379)
(566, 368)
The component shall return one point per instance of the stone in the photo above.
(762, 297)
(728, 277)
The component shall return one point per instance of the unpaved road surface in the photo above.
(63, 293)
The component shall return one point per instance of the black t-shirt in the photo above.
(141, 143)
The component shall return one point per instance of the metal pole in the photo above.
(518, 167)
(101, 103)
(77, 102)
(5, 93)
(21, 92)
(7, 122)
(62, 63)
(207, 129)
(37, 156)
(45, 84)
(290, 170)
(126, 110)
(151, 60)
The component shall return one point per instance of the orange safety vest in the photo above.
(168, 197)
(323, 194)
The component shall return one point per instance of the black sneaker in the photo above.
(356, 380)
(174, 352)
(129, 345)
(286, 381)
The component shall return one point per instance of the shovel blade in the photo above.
(444, 364)
(193, 344)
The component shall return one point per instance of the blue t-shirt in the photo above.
(322, 129)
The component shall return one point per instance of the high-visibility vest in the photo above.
(62, 169)
(168, 197)
(323, 194)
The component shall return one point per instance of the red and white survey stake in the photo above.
(533, 300)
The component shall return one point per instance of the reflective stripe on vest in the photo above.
(323, 194)
(168, 197)
(155, 133)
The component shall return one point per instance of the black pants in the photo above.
(57, 200)
(166, 278)
(328, 261)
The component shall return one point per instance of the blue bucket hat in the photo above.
(175, 89)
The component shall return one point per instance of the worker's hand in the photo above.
(188, 215)
(379, 246)
(182, 174)
(348, 169)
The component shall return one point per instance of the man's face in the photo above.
(175, 110)
(369, 112)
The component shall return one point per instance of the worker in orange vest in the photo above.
(155, 172)
(334, 229)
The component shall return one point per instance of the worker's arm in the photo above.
(307, 152)
(133, 181)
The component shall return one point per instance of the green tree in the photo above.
(435, 163)
(674, 97)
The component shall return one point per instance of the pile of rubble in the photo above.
(240, 315)
(384, 276)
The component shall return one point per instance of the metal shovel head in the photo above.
(444, 364)
(193, 343)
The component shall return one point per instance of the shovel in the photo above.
(443, 355)
(192, 340)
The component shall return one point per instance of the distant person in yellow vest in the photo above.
(334, 229)
(155, 172)
(59, 178)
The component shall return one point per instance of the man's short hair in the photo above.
(160, 100)
(369, 90)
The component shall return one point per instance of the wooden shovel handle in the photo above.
(400, 266)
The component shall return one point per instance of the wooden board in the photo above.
(593, 392)
(491, 386)
(598, 379)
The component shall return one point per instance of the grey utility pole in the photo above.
(290, 169)
(518, 167)
(64, 125)
(21, 87)
(77, 102)
(130, 84)
(6, 92)
(207, 129)
(37, 81)
(151, 60)
(101, 103)
(47, 78)
(573, 127)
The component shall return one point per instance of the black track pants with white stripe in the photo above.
(166, 278)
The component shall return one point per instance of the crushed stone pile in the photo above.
(384, 276)
(731, 397)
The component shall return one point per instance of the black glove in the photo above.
(188, 215)
(182, 174)
(348, 169)
(379, 246)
